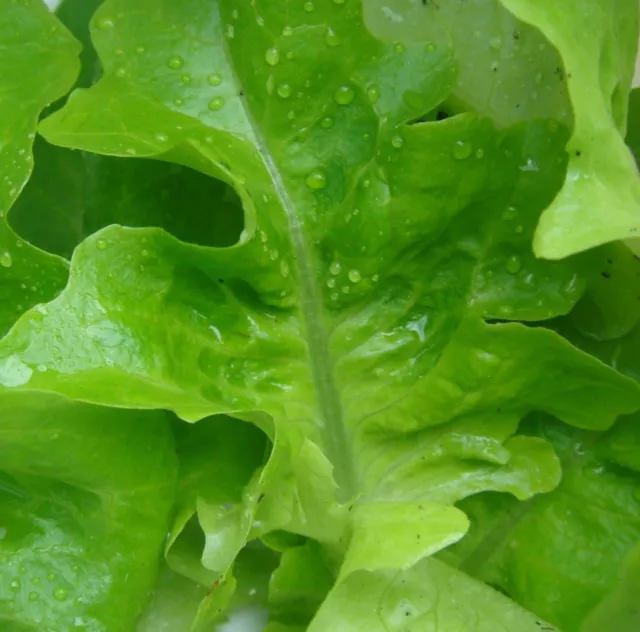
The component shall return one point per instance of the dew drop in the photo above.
(339, 1)
(479, 154)
(272, 56)
(397, 141)
(287, 31)
(510, 212)
(344, 95)
(462, 149)
(354, 276)
(217, 103)
(15, 585)
(178, 102)
(120, 72)
(316, 180)
(373, 92)
(186, 79)
(102, 244)
(399, 47)
(34, 596)
(161, 138)
(284, 90)
(514, 264)
(430, 48)
(106, 24)
(375, 278)
(327, 122)
(175, 62)
(139, 50)
(346, 289)
(60, 593)
(6, 260)
(332, 39)
(231, 31)
(284, 268)
(335, 268)
(308, 7)
(331, 283)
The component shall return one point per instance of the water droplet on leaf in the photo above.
(462, 149)
(354, 276)
(327, 122)
(344, 95)
(272, 56)
(373, 92)
(332, 39)
(397, 141)
(335, 268)
(6, 260)
(217, 103)
(60, 593)
(514, 264)
(175, 62)
(106, 24)
(284, 90)
(316, 180)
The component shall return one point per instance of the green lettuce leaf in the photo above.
(559, 554)
(431, 597)
(600, 200)
(38, 64)
(365, 319)
(358, 290)
(86, 496)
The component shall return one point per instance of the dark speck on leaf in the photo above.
(220, 280)
(516, 35)
(442, 115)
(606, 275)
(578, 153)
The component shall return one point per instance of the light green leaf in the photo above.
(86, 499)
(38, 64)
(507, 69)
(359, 287)
(619, 612)
(560, 553)
(431, 597)
(300, 584)
(600, 200)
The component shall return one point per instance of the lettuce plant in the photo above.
(326, 309)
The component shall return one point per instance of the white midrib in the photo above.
(329, 404)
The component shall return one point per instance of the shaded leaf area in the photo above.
(87, 495)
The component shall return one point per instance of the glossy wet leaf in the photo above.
(600, 200)
(38, 64)
(361, 282)
(366, 322)
(561, 553)
(430, 597)
(87, 494)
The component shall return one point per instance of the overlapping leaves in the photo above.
(365, 321)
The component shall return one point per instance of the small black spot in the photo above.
(606, 275)
(578, 153)
(241, 93)
(442, 115)
(221, 281)
(559, 72)
(407, 614)
(516, 35)
(260, 498)
(609, 261)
